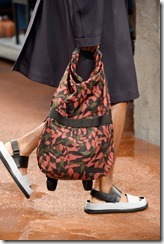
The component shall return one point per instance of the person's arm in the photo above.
(87, 21)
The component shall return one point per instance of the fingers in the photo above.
(89, 49)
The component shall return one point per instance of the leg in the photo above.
(118, 115)
(27, 144)
(16, 159)
(15, 155)
(106, 198)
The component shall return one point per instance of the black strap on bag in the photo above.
(78, 123)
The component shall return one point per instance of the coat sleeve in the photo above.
(87, 21)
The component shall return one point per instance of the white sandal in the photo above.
(112, 204)
(12, 163)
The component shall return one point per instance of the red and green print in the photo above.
(77, 140)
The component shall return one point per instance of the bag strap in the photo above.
(75, 58)
(78, 123)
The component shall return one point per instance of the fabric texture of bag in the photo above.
(77, 139)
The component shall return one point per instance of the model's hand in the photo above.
(89, 49)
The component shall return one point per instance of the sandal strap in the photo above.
(114, 195)
(21, 161)
(15, 148)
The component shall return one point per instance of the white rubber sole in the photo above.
(26, 180)
(21, 181)
(107, 207)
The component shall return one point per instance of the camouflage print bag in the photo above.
(77, 140)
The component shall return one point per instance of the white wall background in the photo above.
(147, 60)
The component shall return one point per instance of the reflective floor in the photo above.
(59, 215)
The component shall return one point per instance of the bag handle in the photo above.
(75, 58)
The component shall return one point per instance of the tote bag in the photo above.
(77, 139)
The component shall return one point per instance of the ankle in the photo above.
(8, 146)
(23, 148)
(103, 184)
